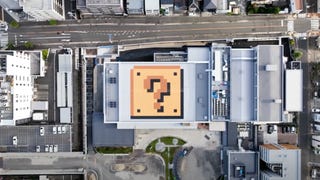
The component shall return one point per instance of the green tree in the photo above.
(28, 45)
(45, 54)
(10, 46)
(14, 24)
(53, 22)
(291, 42)
(297, 54)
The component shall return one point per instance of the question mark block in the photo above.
(156, 92)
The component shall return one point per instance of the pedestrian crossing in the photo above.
(129, 33)
(290, 26)
(314, 24)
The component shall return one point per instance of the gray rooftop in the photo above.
(108, 134)
(102, 2)
(242, 73)
(135, 6)
(256, 84)
(270, 83)
(247, 159)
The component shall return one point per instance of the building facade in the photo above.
(280, 161)
(43, 10)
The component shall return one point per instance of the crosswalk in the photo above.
(314, 24)
(290, 26)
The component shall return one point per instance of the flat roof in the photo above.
(65, 115)
(242, 91)
(247, 159)
(108, 134)
(155, 91)
(294, 90)
(270, 82)
(65, 62)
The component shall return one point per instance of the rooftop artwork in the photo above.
(156, 92)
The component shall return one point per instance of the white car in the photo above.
(46, 148)
(54, 129)
(63, 129)
(37, 148)
(315, 110)
(55, 148)
(51, 148)
(41, 131)
(59, 130)
(15, 140)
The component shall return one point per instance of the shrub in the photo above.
(14, 24)
(45, 54)
(53, 22)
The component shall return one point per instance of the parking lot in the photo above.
(29, 137)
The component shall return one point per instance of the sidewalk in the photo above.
(195, 138)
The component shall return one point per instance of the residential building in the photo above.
(167, 6)
(42, 10)
(280, 161)
(180, 7)
(296, 6)
(218, 6)
(100, 7)
(242, 165)
(135, 6)
(15, 87)
(152, 7)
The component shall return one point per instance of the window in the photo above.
(112, 104)
(112, 80)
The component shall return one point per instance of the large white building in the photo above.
(181, 89)
(16, 87)
(280, 162)
(42, 10)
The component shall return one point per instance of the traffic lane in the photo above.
(107, 27)
(136, 40)
(42, 163)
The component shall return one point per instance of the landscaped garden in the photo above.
(166, 147)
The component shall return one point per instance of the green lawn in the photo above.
(114, 150)
(167, 159)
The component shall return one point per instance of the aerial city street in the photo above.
(160, 89)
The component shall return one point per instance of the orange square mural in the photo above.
(156, 92)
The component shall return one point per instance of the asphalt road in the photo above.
(126, 31)
(76, 162)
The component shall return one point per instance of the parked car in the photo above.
(37, 148)
(41, 131)
(315, 110)
(15, 140)
(313, 173)
(63, 129)
(316, 151)
(59, 130)
(46, 148)
(55, 148)
(54, 130)
(293, 129)
(51, 148)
